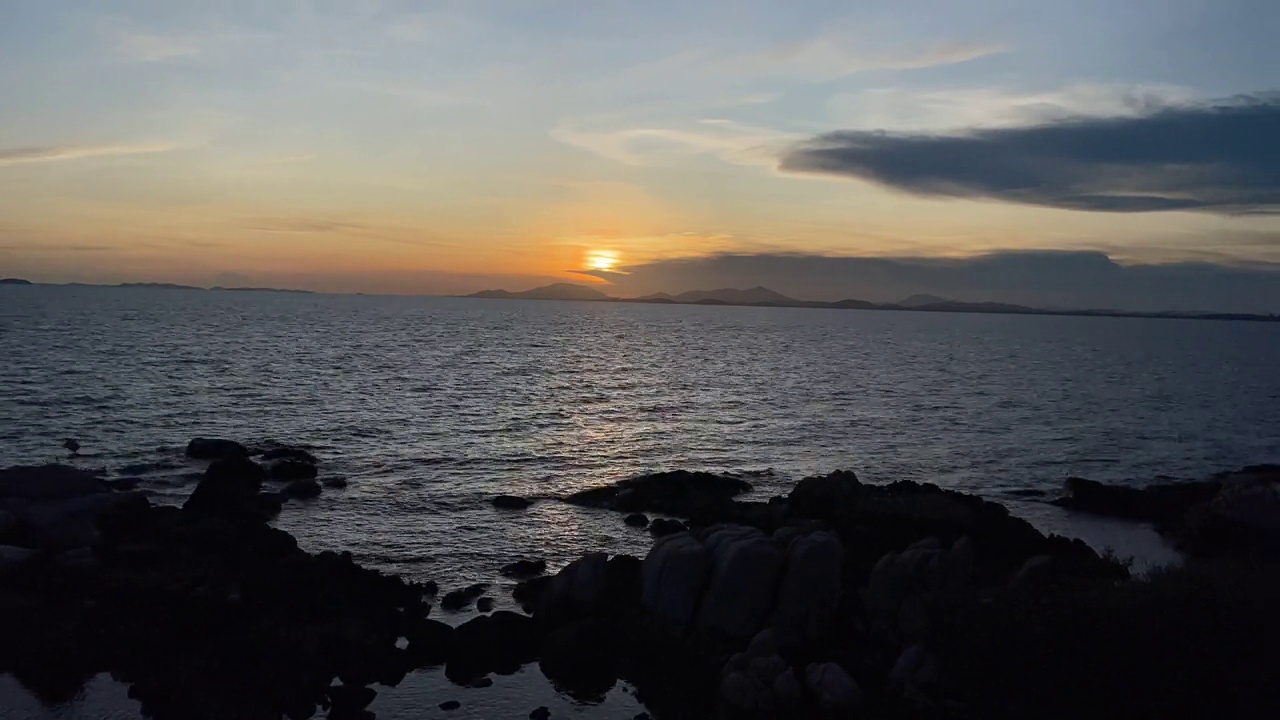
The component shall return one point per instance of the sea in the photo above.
(431, 406)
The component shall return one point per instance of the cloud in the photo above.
(1066, 279)
(909, 109)
(1210, 158)
(23, 156)
(828, 58)
(650, 145)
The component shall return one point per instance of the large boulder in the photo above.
(674, 574)
(679, 493)
(501, 643)
(811, 586)
(745, 565)
(74, 522)
(581, 660)
(524, 569)
(835, 694)
(48, 482)
(229, 489)
(215, 449)
(577, 591)
(818, 495)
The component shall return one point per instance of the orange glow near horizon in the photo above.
(602, 260)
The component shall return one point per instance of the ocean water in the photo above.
(431, 406)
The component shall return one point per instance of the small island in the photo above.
(15, 281)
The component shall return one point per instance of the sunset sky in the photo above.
(443, 147)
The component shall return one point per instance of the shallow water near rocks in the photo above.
(431, 406)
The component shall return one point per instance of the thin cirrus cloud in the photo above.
(1220, 158)
(24, 156)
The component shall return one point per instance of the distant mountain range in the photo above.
(152, 286)
(764, 297)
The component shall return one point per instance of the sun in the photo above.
(601, 260)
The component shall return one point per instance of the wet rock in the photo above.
(521, 569)
(73, 522)
(673, 575)
(291, 470)
(336, 483)
(450, 705)
(459, 599)
(215, 449)
(637, 520)
(745, 566)
(662, 527)
(48, 482)
(485, 604)
(623, 582)
(301, 490)
(680, 493)
(511, 502)
(541, 713)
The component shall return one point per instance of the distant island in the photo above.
(150, 286)
(764, 297)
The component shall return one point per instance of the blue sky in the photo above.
(441, 146)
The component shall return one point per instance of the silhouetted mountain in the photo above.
(984, 307)
(853, 304)
(259, 289)
(921, 300)
(14, 281)
(732, 296)
(557, 291)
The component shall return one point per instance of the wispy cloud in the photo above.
(657, 145)
(903, 109)
(826, 58)
(24, 156)
(419, 96)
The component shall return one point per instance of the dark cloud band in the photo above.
(1222, 159)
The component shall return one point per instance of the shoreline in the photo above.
(837, 586)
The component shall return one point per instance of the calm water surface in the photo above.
(430, 406)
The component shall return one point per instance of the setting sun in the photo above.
(602, 260)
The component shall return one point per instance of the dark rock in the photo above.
(301, 490)
(485, 604)
(541, 713)
(814, 496)
(336, 483)
(498, 643)
(511, 502)
(637, 520)
(623, 582)
(215, 449)
(459, 599)
(350, 698)
(662, 527)
(289, 453)
(580, 659)
(522, 569)
(449, 705)
(528, 593)
(430, 642)
(678, 493)
(578, 590)
(229, 488)
(1026, 492)
(48, 482)
(287, 470)
(481, 683)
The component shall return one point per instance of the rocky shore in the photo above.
(839, 599)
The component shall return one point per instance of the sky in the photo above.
(444, 147)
